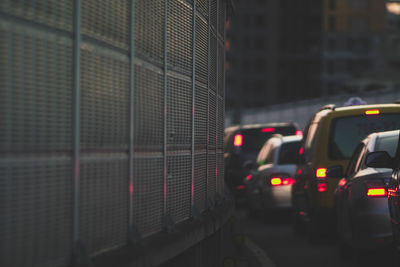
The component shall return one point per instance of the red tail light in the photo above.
(298, 132)
(276, 181)
(320, 173)
(238, 140)
(249, 177)
(268, 130)
(372, 112)
(322, 187)
(377, 192)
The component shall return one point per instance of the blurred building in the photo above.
(283, 51)
(353, 32)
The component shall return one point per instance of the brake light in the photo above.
(301, 150)
(377, 192)
(238, 140)
(268, 130)
(288, 181)
(276, 181)
(372, 112)
(322, 187)
(321, 173)
(298, 132)
(249, 177)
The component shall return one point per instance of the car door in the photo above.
(344, 200)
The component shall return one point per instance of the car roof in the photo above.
(260, 125)
(355, 110)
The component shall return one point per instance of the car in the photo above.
(362, 212)
(387, 159)
(269, 185)
(241, 146)
(330, 139)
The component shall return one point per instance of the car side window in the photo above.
(353, 161)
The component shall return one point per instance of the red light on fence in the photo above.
(376, 192)
(276, 181)
(320, 173)
(249, 177)
(268, 130)
(372, 112)
(238, 141)
(298, 132)
(322, 187)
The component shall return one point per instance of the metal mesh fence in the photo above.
(112, 116)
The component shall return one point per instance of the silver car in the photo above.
(363, 221)
(269, 186)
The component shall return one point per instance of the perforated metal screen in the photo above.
(111, 123)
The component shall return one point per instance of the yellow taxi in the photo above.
(328, 143)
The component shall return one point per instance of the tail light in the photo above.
(298, 132)
(268, 130)
(249, 177)
(281, 179)
(377, 192)
(238, 140)
(372, 112)
(320, 173)
(322, 187)
(376, 188)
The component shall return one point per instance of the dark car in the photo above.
(363, 220)
(386, 158)
(241, 147)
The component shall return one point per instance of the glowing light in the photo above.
(268, 130)
(372, 112)
(393, 8)
(240, 187)
(276, 181)
(322, 187)
(342, 182)
(301, 151)
(249, 177)
(299, 171)
(376, 192)
(298, 132)
(321, 173)
(238, 141)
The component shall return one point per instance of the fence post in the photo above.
(133, 233)
(80, 255)
(194, 213)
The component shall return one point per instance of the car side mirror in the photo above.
(335, 172)
(379, 159)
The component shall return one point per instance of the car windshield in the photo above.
(254, 139)
(289, 153)
(347, 132)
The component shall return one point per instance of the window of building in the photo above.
(359, 4)
(259, 43)
(259, 21)
(332, 4)
(332, 23)
(332, 45)
(259, 65)
(331, 67)
(358, 24)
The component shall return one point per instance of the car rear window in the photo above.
(254, 139)
(289, 152)
(388, 144)
(347, 132)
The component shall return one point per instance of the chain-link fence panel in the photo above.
(36, 210)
